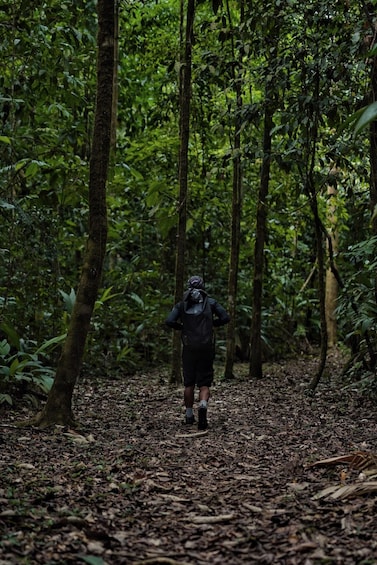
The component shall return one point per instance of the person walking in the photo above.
(196, 316)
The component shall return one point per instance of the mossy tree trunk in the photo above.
(58, 408)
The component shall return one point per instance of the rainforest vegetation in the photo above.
(241, 146)
(142, 142)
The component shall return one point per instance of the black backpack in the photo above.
(197, 322)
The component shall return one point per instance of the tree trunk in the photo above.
(58, 409)
(256, 357)
(371, 22)
(234, 260)
(331, 280)
(236, 216)
(373, 143)
(184, 135)
(114, 110)
(321, 286)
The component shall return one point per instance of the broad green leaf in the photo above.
(6, 205)
(44, 383)
(14, 367)
(21, 164)
(106, 296)
(6, 398)
(51, 343)
(12, 335)
(368, 116)
(136, 298)
(32, 169)
(69, 299)
(5, 139)
(4, 348)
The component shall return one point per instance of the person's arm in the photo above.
(172, 320)
(221, 316)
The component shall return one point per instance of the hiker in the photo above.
(195, 316)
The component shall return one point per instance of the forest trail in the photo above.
(130, 488)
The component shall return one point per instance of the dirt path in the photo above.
(132, 488)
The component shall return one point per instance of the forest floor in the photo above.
(135, 486)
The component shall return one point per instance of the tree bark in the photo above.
(373, 138)
(58, 408)
(236, 216)
(310, 189)
(184, 136)
(256, 357)
(115, 96)
(331, 280)
(271, 100)
(321, 284)
(371, 23)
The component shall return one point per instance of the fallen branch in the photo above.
(195, 434)
(211, 519)
(162, 560)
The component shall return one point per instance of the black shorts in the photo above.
(197, 365)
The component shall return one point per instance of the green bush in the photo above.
(23, 373)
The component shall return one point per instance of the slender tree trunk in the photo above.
(234, 260)
(271, 99)
(184, 135)
(373, 145)
(256, 357)
(372, 24)
(310, 189)
(331, 280)
(236, 215)
(58, 409)
(321, 286)
(114, 111)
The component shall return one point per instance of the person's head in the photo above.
(195, 282)
(195, 287)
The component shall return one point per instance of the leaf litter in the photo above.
(133, 485)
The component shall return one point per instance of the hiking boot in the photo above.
(202, 423)
(190, 420)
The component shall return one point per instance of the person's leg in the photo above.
(204, 382)
(188, 396)
(204, 393)
(189, 384)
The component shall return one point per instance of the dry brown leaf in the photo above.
(355, 490)
(337, 492)
(359, 460)
(325, 492)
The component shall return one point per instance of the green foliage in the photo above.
(23, 373)
(357, 307)
(365, 117)
(319, 75)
